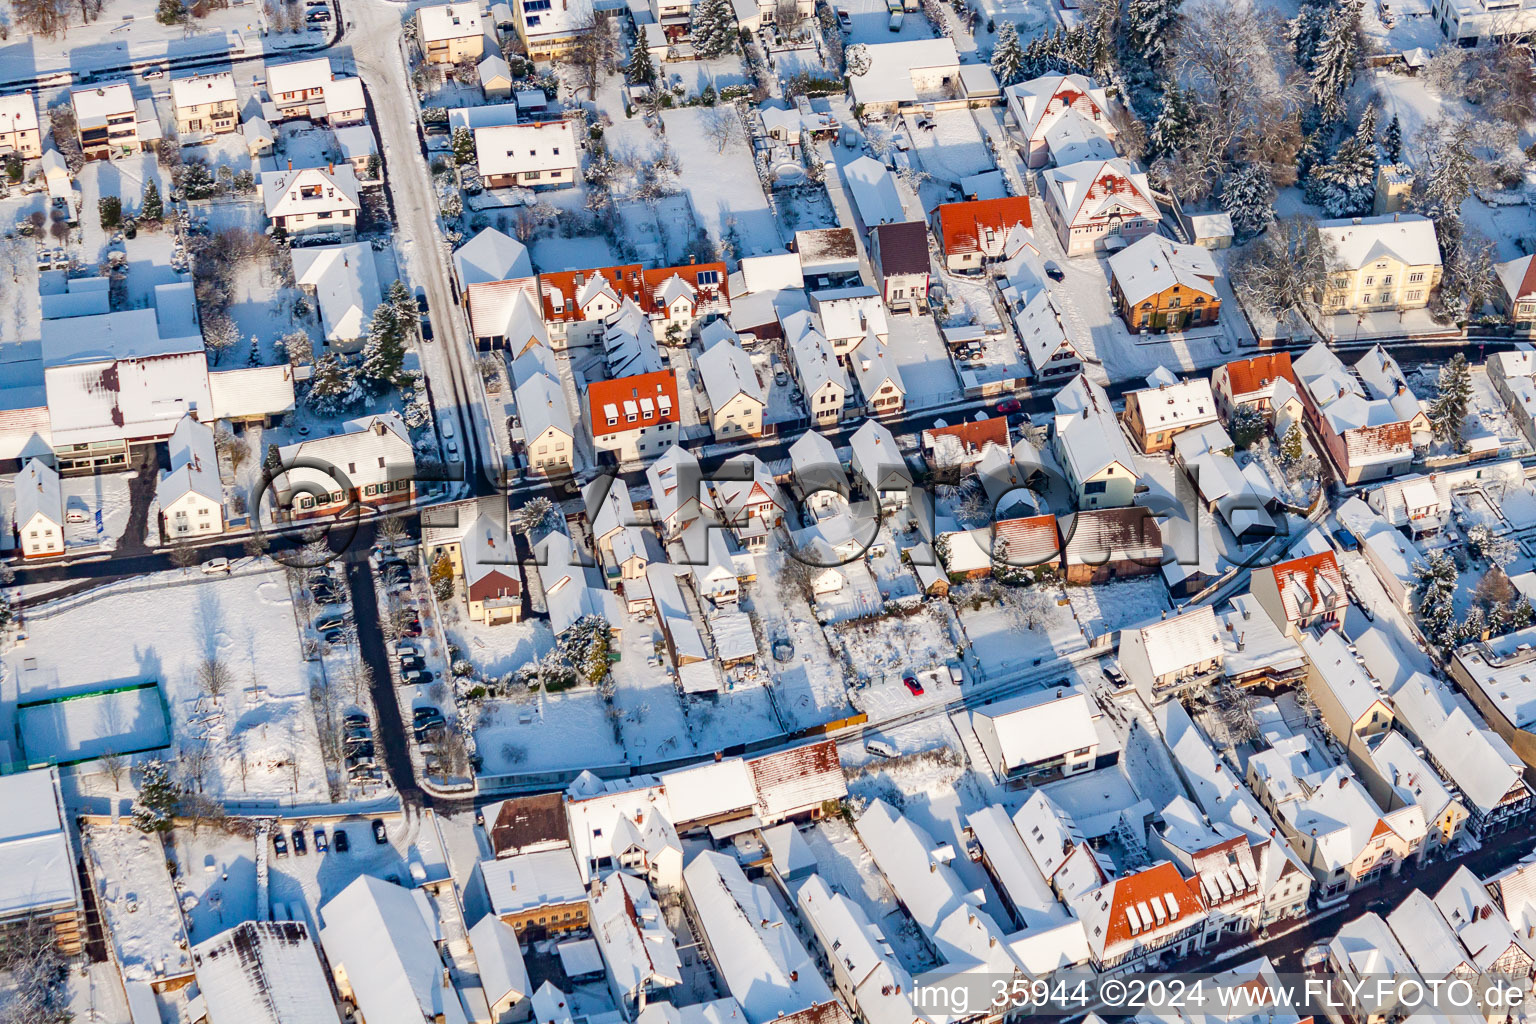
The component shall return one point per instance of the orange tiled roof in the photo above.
(656, 386)
(961, 225)
(975, 434)
(1306, 570)
(1140, 890)
(625, 281)
(1248, 375)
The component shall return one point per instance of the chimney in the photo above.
(290, 163)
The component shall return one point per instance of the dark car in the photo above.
(1053, 271)
(426, 328)
(1009, 406)
(321, 845)
(379, 835)
(426, 711)
(355, 719)
(343, 844)
(334, 635)
(279, 844)
(411, 663)
(411, 628)
(299, 846)
(331, 620)
(421, 301)
(910, 682)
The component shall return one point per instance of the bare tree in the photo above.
(183, 555)
(392, 530)
(1286, 270)
(36, 974)
(47, 18)
(235, 449)
(721, 126)
(113, 765)
(214, 677)
(299, 346)
(61, 122)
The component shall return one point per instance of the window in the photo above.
(1095, 487)
(1417, 277)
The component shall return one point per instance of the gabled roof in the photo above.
(1057, 846)
(877, 459)
(650, 398)
(1518, 276)
(337, 191)
(972, 436)
(449, 21)
(520, 148)
(1181, 640)
(1094, 189)
(196, 90)
(1042, 329)
(346, 284)
(796, 778)
(816, 363)
(502, 971)
(194, 464)
(297, 76)
(979, 225)
(903, 248)
(1309, 584)
(727, 372)
(1040, 725)
(1086, 429)
(1039, 102)
(1250, 376)
(18, 112)
(38, 493)
(374, 931)
(263, 972)
(874, 192)
(873, 367)
(1099, 535)
(1174, 406)
(1134, 908)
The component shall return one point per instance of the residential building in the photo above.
(296, 86)
(1037, 318)
(343, 280)
(19, 131)
(549, 29)
(1391, 262)
(1220, 858)
(503, 973)
(190, 494)
(107, 120)
(549, 440)
(38, 520)
(1420, 929)
(205, 104)
(877, 461)
(1263, 382)
(1302, 593)
(872, 188)
(679, 299)
(1058, 848)
(1392, 557)
(360, 150)
(1101, 544)
(1367, 439)
(957, 448)
(371, 463)
(634, 418)
(865, 972)
(1099, 204)
(450, 33)
(538, 894)
(640, 956)
(1413, 503)
(829, 257)
(1160, 285)
(1495, 675)
(677, 486)
(1485, 933)
(312, 201)
(40, 887)
(1173, 655)
(1157, 415)
(816, 369)
(1040, 736)
(1133, 920)
(1396, 775)
(1384, 382)
(878, 377)
(493, 581)
(899, 254)
(1365, 948)
(540, 155)
(847, 315)
(1352, 703)
(982, 231)
(907, 73)
(1515, 297)
(1030, 900)
(1471, 23)
(1040, 105)
(264, 972)
(345, 103)
(1099, 466)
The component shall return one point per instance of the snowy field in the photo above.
(809, 685)
(953, 148)
(727, 196)
(654, 725)
(1110, 606)
(258, 740)
(136, 898)
(545, 732)
(89, 726)
(919, 354)
(1001, 643)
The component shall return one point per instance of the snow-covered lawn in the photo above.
(809, 685)
(260, 734)
(953, 148)
(1110, 606)
(919, 354)
(882, 650)
(654, 725)
(727, 197)
(495, 650)
(1002, 644)
(546, 732)
(134, 892)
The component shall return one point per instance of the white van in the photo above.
(880, 748)
(216, 565)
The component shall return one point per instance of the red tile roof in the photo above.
(1305, 571)
(655, 386)
(707, 292)
(962, 225)
(1249, 375)
(1139, 890)
(1030, 541)
(973, 435)
(625, 281)
(790, 780)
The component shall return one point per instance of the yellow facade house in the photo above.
(1380, 264)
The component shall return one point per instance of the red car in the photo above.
(913, 686)
(1009, 406)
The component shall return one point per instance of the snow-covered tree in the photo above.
(333, 389)
(1286, 270)
(1246, 426)
(151, 207)
(1446, 168)
(1495, 548)
(1494, 592)
(856, 60)
(1175, 126)
(1248, 197)
(1306, 32)
(1392, 141)
(155, 808)
(1151, 26)
(384, 349)
(641, 70)
(534, 515)
(714, 28)
(1007, 55)
(1346, 185)
(1453, 396)
(1291, 446)
(1336, 61)
(1467, 278)
(1435, 582)
(584, 646)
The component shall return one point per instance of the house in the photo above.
(1139, 917)
(1160, 285)
(548, 29)
(829, 257)
(493, 583)
(748, 499)
(1392, 557)
(1351, 702)
(1265, 383)
(360, 150)
(259, 137)
(736, 397)
(503, 973)
(1037, 106)
(679, 299)
(489, 257)
(1220, 858)
(816, 369)
(1211, 230)
(864, 970)
(38, 520)
(983, 231)
(106, 119)
(907, 73)
(548, 434)
(40, 887)
(1366, 438)
(1301, 593)
(1384, 382)
(540, 155)
(1099, 205)
(1040, 736)
(1365, 948)
(371, 463)
(1109, 543)
(1173, 655)
(1413, 502)
(640, 956)
(1029, 898)
(295, 86)
(1396, 775)
(345, 103)
(495, 77)
(1037, 318)
(312, 201)
(1157, 415)
(265, 972)
(190, 494)
(1515, 297)
(205, 104)
(1391, 262)
(450, 33)
(878, 462)
(878, 377)
(19, 132)
(959, 447)
(677, 485)
(634, 418)
(382, 953)
(1485, 933)
(899, 254)
(344, 282)
(847, 315)
(1099, 465)
(538, 894)
(873, 191)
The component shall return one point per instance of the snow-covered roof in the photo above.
(529, 881)
(775, 272)
(1087, 431)
(1037, 726)
(873, 367)
(491, 256)
(1022, 883)
(1406, 237)
(877, 459)
(94, 104)
(38, 494)
(520, 148)
(1175, 406)
(194, 464)
(1038, 103)
(874, 191)
(37, 864)
(197, 90)
(1057, 846)
(1483, 929)
(1153, 264)
(368, 450)
(440, 22)
(264, 972)
(732, 633)
(1136, 908)
(346, 285)
(1174, 643)
(794, 780)
(1366, 946)
(791, 854)
(249, 391)
(727, 372)
(309, 190)
(758, 954)
(882, 988)
(890, 78)
(493, 69)
(558, 20)
(1042, 329)
(502, 971)
(1355, 690)
(1425, 936)
(344, 94)
(816, 362)
(298, 76)
(1211, 225)
(1097, 189)
(1412, 778)
(704, 791)
(374, 932)
(850, 312)
(355, 141)
(18, 113)
(632, 933)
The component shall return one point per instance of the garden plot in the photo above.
(846, 866)
(546, 732)
(1106, 607)
(732, 717)
(952, 147)
(809, 682)
(923, 362)
(106, 494)
(499, 650)
(138, 902)
(216, 875)
(1011, 628)
(881, 650)
(256, 740)
(653, 723)
(728, 199)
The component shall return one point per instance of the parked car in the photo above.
(279, 844)
(216, 565)
(913, 686)
(1053, 270)
(426, 328)
(354, 719)
(1009, 406)
(844, 20)
(339, 838)
(332, 620)
(425, 711)
(76, 515)
(334, 635)
(896, 19)
(452, 448)
(379, 835)
(299, 846)
(321, 845)
(880, 748)
(412, 628)
(421, 301)
(412, 664)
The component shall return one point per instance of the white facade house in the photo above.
(190, 496)
(537, 156)
(736, 397)
(816, 368)
(344, 283)
(383, 955)
(312, 201)
(1038, 736)
(450, 33)
(39, 516)
(1090, 446)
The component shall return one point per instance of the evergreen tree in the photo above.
(1175, 126)
(463, 143)
(641, 70)
(1151, 26)
(1248, 197)
(333, 389)
(1392, 141)
(1445, 174)
(714, 28)
(151, 208)
(384, 349)
(155, 808)
(1306, 34)
(1346, 185)
(1008, 55)
(1291, 445)
(1448, 412)
(1435, 581)
(1338, 56)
